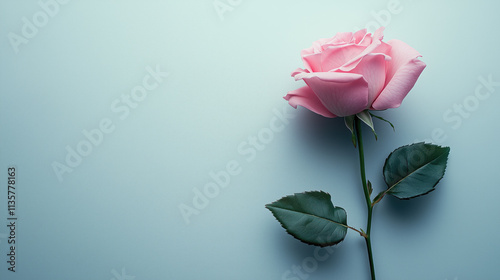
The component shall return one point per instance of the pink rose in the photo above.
(350, 73)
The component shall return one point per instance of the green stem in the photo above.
(367, 195)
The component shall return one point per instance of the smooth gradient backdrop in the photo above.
(120, 116)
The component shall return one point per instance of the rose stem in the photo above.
(367, 194)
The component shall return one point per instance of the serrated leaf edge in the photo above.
(268, 206)
(433, 187)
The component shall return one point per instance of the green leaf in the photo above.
(367, 119)
(414, 170)
(311, 218)
(380, 118)
(349, 122)
(370, 188)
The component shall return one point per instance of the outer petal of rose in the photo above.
(306, 98)
(398, 87)
(312, 62)
(343, 94)
(401, 53)
(315, 48)
(322, 42)
(299, 71)
(373, 69)
(307, 51)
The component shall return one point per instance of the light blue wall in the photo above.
(116, 214)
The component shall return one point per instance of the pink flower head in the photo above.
(352, 72)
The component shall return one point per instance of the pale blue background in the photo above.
(117, 214)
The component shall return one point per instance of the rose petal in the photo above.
(317, 46)
(377, 46)
(359, 36)
(402, 73)
(373, 69)
(379, 34)
(343, 94)
(398, 87)
(342, 37)
(298, 71)
(401, 53)
(335, 57)
(312, 62)
(367, 40)
(353, 62)
(306, 98)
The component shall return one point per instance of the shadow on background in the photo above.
(325, 141)
(322, 134)
(412, 213)
(330, 136)
(309, 259)
(328, 140)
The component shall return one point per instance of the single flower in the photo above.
(353, 72)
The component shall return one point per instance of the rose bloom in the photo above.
(350, 73)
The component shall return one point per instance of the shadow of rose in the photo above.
(324, 135)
